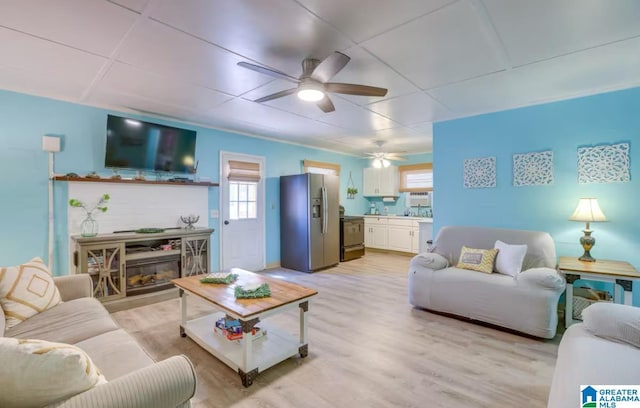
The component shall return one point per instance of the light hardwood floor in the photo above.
(367, 348)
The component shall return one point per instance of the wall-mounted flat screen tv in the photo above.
(138, 145)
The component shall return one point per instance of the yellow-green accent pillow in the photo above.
(480, 260)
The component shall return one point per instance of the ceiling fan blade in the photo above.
(330, 66)
(396, 158)
(326, 105)
(277, 95)
(267, 71)
(353, 89)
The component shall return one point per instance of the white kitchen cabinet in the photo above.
(401, 232)
(415, 240)
(393, 233)
(370, 181)
(375, 232)
(382, 182)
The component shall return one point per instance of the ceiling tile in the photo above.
(226, 123)
(355, 118)
(446, 46)
(410, 109)
(537, 30)
(157, 48)
(424, 128)
(261, 114)
(102, 25)
(400, 140)
(402, 134)
(37, 84)
(50, 65)
(126, 79)
(595, 70)
(277, 33)
(135, 5)
(119, 101)
(365, 69)
(361, 21)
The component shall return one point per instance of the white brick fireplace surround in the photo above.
(134, 206)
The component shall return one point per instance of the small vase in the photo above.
(89, 227)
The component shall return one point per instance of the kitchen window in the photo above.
(315, 167)
(416, 178)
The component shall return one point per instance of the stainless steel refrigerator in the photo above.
(309, 221)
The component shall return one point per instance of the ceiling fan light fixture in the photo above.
(310, 95)
(310, 91)
(380, 162)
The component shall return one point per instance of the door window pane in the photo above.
(242, 192)
(251, 211)
(233, 191)
(233, 210)
(243, 200)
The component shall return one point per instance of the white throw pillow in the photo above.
(35, 373)
(510, 258)
(26, 290)
(613, 321)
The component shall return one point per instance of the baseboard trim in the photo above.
(389, 251)
(272, 265)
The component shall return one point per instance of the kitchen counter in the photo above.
(419, 219)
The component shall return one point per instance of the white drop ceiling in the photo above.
(439, 59)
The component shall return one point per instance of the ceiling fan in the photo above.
(313, 85)
(383, 159)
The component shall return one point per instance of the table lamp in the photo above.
(588, 211)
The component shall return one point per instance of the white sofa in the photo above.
(527, 303)
(134, 379)
(604, 349)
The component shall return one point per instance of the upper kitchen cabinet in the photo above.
(380, 182)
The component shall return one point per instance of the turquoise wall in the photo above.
(562, 127)
(24, 119)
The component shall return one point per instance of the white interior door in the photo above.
(242, 210)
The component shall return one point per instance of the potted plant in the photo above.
(89, 226)
(351, 192)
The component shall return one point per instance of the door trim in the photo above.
(263, 166)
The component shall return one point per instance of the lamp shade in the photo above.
(588, 210)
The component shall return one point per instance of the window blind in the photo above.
(310, 166)
(243, 171)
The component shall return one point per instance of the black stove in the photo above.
(352, 217)
(351, 237)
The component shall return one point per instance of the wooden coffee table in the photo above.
(250, 356)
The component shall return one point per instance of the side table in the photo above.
(616, 272)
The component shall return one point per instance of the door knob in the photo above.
(226, 222)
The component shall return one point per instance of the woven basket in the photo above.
(584, 297)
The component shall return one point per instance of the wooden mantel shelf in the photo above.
(132, 181)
